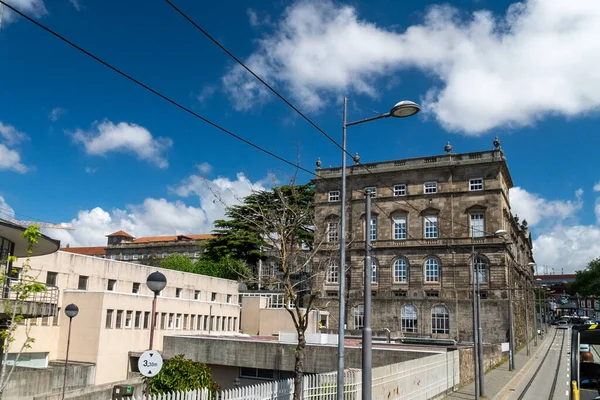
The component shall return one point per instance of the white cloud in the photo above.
(11, 135)
(567, 248)
(6, 211)
(33, 8)
(206, 93)
(107, 137)
(11, 160)
(90, 170)
(75, 4)
(534, 208)
(597, 187)
(160, 216)
(539, 59)
(56, 113)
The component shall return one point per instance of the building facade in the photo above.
(124, 247)
(115, 311)
(429, 216)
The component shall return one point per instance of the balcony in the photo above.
(39, 304)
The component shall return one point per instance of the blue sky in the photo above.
(80, 144)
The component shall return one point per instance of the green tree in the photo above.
(181, 374)
(178, 262)
(17, 293)
(227, 268)
(587, 282)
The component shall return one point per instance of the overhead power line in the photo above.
(280, 96)
(154, 91)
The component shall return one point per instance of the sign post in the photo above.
(149, 365)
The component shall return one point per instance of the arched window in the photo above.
(373, 271)
(481, 270)
(432, 270)
(400, 271)
(440, 320)
(409, 318)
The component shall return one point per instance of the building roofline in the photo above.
(14, 233)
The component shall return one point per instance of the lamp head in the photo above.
(405, 108)
(156, 282)
(71, 310)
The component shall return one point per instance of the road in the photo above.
(548, 376)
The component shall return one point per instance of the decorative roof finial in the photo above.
(356, 158)
(448, 147)
(318, 163)
(496, 143)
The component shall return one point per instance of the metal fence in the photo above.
(423, 378)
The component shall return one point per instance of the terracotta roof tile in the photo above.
(86, 251)
(120, 233)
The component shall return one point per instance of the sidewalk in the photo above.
(497, 380)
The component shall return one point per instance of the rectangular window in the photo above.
(144, 256)
(333, 274)
(146, 319)
(229, 321)
(192, 322)
(373, 271)
(256, 373)
(213, 296)
(372, 191)
(223, 322)
(119, 323)
(476, 184)
(134, 257)
(229, 298)
(206, 322)
(178, 321)
(399, 227)
(430, 187)
(112, 283)
(197, 254)
(218, 323)
(400, 190)
(373, 229)
(138, 319)
(126, 257)
(196, 295)
(334, 195)
(477, 225)
(359, 315)
(163, 321)
(109, 319)
(178, 292)
(235, 323)
(82, 284)
(165, 255)
(199, 323)
(135, 288)
(56, 319)
(171, 322)
(185, 253)
(212, 323)
(431, 226)
(186, 318)
(113, 256)
(51, 278)
(128, 316)
(332, 232)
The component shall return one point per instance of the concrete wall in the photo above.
(26, 383)
(276, 356)
(492, 355)
(101, 392)
(262, 321)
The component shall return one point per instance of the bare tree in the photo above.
(283, 219)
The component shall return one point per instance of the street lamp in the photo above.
(401, 109)
(71, 311)
(156, 282)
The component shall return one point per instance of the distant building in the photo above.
(115, 311)
(428, 215)
(124, 247)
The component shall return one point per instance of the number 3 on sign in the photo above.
(150, 363)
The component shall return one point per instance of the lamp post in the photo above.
(71, 311)
(402, 109)
(156, 282)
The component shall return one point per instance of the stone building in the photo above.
(429, 215)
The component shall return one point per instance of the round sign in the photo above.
(150, 363)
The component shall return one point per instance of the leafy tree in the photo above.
(178, 262)
(281, 222)
(587, 282)
(181, 374)
(16, 295)
(227, 268)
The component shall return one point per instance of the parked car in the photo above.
(554, 322)
(562, 325)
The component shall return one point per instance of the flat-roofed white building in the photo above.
(115, 311)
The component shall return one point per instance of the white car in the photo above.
(584, 347)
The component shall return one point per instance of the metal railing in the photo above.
(35, 304)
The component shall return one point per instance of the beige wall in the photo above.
(263, 321)
(92, 340)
